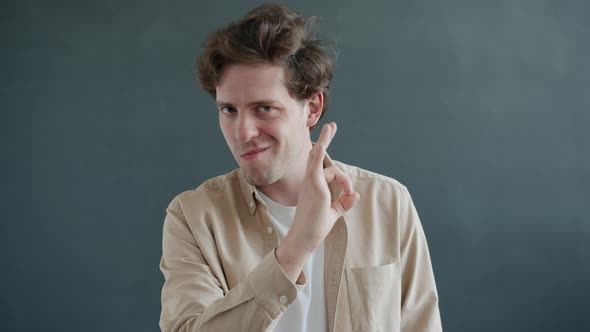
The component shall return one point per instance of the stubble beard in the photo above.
(265, 174)
(279, 166)
(258, 177)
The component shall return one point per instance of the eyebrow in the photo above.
(256, 102)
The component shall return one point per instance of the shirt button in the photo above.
(251, 204)
(269, 230)
(283, 299)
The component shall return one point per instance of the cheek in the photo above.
(285, 130)
(225, 130)
(273, 130)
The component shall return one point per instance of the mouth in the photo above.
(253, 153)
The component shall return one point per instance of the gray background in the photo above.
(480, 107)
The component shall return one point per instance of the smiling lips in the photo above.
(253, 153)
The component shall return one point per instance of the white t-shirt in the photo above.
(308, 311)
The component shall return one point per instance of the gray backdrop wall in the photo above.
(481, 108)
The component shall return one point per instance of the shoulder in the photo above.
(358, 174)
(209, 193)
(375, 186)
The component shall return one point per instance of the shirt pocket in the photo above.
(375, 297)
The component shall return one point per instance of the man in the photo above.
(291, 240)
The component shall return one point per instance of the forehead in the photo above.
(242, 83)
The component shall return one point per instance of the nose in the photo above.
(247, 127)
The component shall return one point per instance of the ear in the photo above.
(316, 105)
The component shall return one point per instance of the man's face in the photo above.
(265, 128)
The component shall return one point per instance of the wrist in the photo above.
(291, 258)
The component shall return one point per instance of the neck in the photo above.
(286, 190)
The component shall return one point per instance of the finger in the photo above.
(315, 164)
(316, 155)
(348, 201)
(328, 132)
(332, 174)
(334, 129)
(345, 203)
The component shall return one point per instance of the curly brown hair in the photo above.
(271, 33)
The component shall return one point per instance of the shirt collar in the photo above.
(252, 199)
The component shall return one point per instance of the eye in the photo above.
(227, 110)
(265, 109)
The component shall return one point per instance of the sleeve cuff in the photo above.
(273, 289)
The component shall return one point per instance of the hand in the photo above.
(316, 213)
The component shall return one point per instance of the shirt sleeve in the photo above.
(193, 299)
(419, 310)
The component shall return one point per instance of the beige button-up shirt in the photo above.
(221, 273)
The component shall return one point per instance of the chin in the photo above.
(263, 178)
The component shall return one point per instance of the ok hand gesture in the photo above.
(316, 211)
